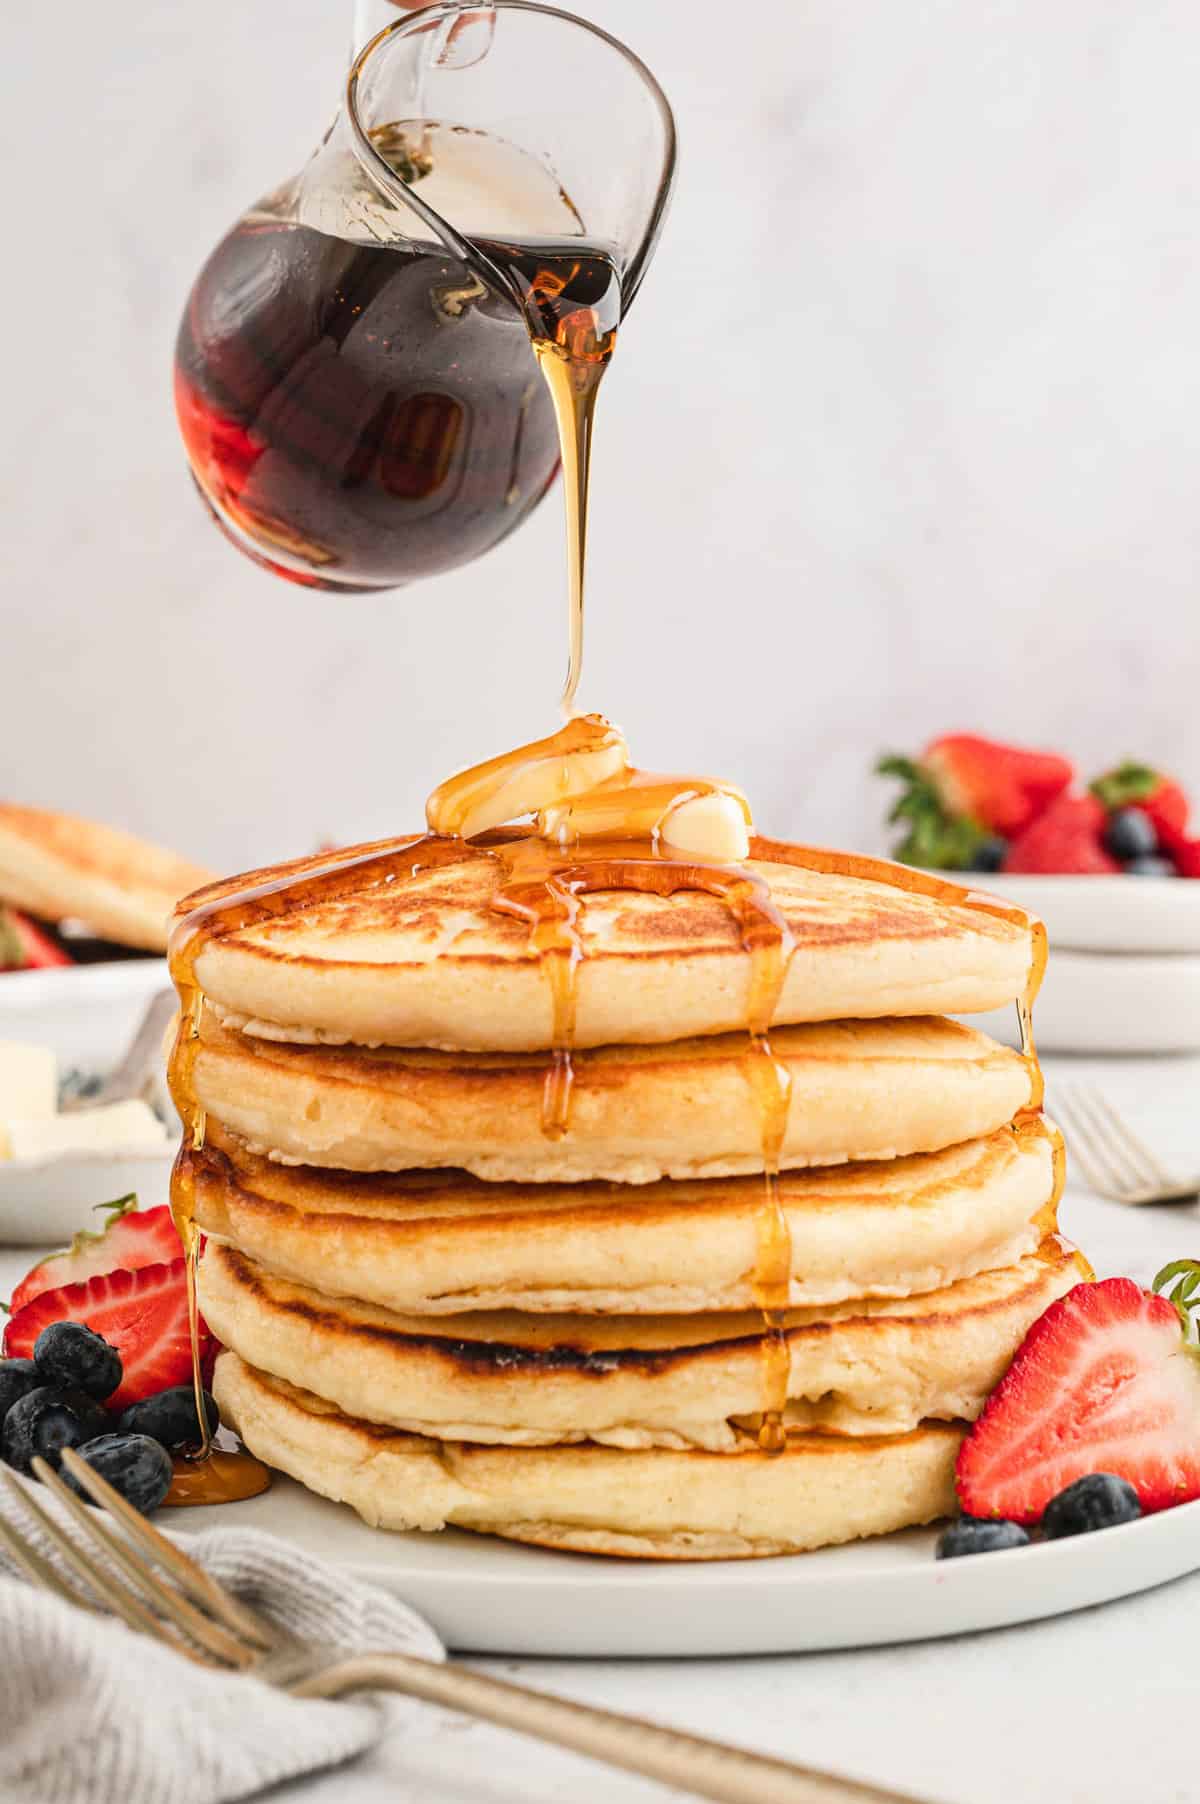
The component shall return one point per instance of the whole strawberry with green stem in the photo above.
(1133, 785)
(966, 796)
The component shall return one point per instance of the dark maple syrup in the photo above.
(358, 416)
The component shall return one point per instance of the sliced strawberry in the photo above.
(1068, 837)
(1001, 786)
(1133, 785)
(1105, 1381)
(130, 1238)
(24, 946)
(143, 1314)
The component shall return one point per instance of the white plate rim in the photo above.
(486, 1595)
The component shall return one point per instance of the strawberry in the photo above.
(1068, 837)
(1186, 857)
(26, 947)
(965, 791)
(129, 1239)
(143, 1314)
(1141, 786)
(1105, 1381)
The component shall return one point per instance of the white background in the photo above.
(902, 435)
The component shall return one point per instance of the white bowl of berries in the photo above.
(1104, 865)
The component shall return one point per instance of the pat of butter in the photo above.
(710, 827)
(131, 1127)
(587, 751)
(28, 1081)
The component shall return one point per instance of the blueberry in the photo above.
(170, 1418)
(47, 1420)
(1130, 834)
(1098, 1501)
(17, 1378)
(1149, 867)
(976, 1534)
(68, 1353)
(133, 1464)
(989, 854)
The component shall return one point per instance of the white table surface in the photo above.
(1094, 1708)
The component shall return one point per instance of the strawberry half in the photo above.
(26, 947)
(130, 1239)
(1068, 837)
(143, 1314)
(1105, 1381)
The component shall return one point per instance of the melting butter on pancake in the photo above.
(64, 868)
(427, 960)
(860, 1090)
(442, 1243)
(637, 1381)
(657, 1504)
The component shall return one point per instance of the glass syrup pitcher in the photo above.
(355, 380)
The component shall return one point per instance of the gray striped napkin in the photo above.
(92, 1714)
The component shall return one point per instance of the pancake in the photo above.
(860, 1090)
(657, 1504)
(432, 1243)
(857, 1368)
(426, 959)
(64, 868)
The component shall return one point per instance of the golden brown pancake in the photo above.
(860, 1090)
(426, 1242)
(427, 959)
(637, 1381)
(64, 868)
(656, 1504)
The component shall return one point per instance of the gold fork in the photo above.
(1115, 1162)
(122, 1566)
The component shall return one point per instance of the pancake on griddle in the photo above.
(860, 1090)
(659, 1504)
(64, 868)
(426, 959)
(637, 1381)
(442, 1243)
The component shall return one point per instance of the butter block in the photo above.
(131, 1127)
(28, 1081)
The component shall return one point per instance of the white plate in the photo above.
(87, 1014)
(1111, 1002)
(489, 1596)
(1106, 914)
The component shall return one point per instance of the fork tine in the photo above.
(1136, 1145)
(215, 1640)
(36, 1568)
(1081, 1149)
(191, 1578)
(119, 1598)
(1105, 1127)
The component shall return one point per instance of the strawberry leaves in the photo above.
(1179, 1283)
(935, 838)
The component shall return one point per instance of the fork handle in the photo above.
(708, 1769)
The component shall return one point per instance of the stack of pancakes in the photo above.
(439, 1312)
